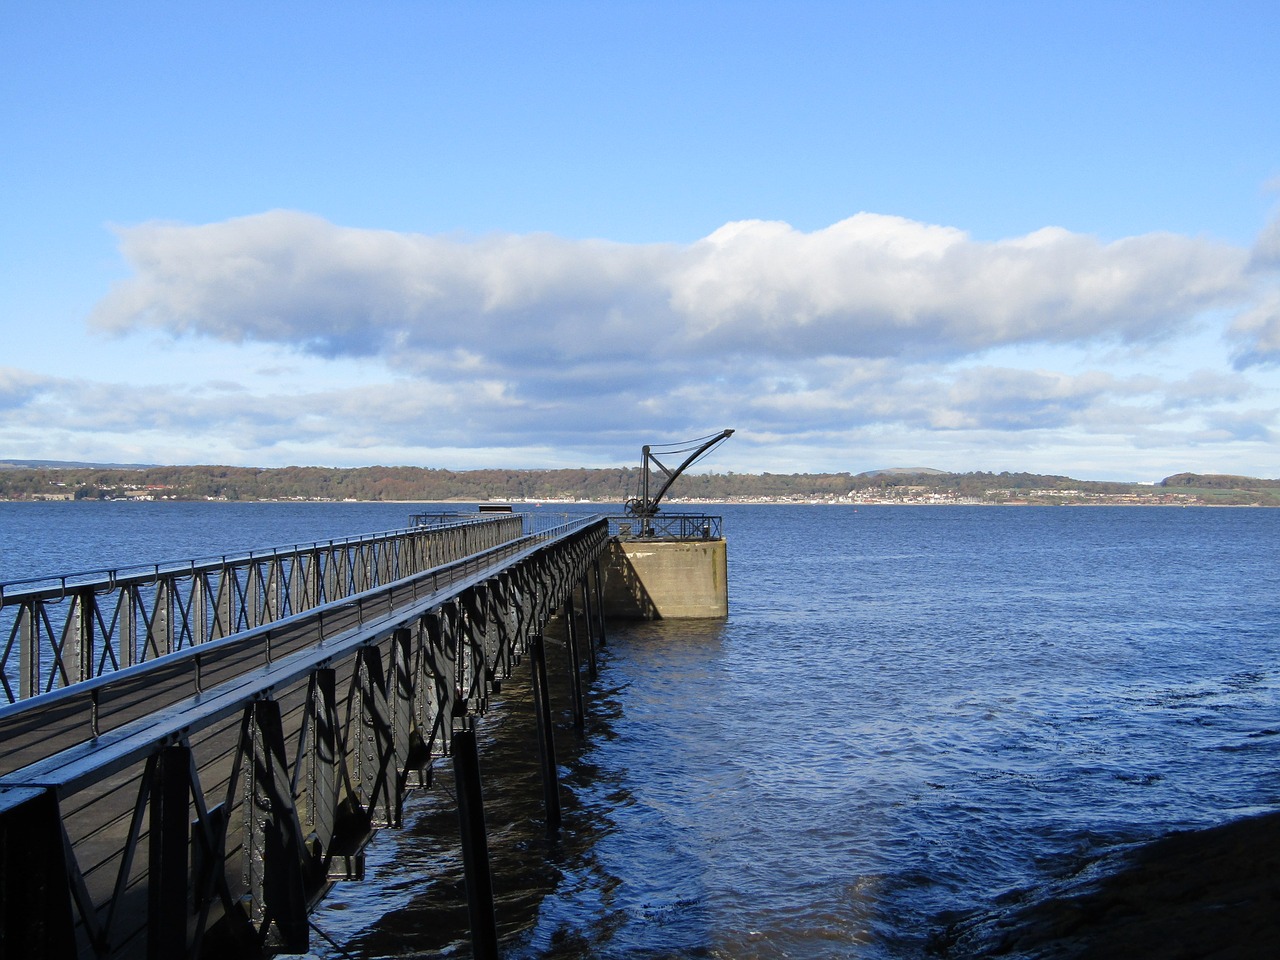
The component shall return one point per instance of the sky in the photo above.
(965, 236)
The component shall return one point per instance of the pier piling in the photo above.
(475, 845)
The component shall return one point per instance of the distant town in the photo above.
(44, 480)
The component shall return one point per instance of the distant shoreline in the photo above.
(601, 486)
(672, 506)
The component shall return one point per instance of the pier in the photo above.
(192, 754)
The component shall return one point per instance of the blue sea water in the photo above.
(909, 714)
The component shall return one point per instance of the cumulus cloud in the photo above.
(19, 387)
(1257, 330)
(817, 414)
(1266, 250)
(293, 278)
(868, 286)
(540, 350)
(880, 286)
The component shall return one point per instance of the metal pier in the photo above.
(213, 746)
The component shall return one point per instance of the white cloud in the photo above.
(18, 387)
(1258, 332)
(868, 286)
(876, 341)
(883, 286)
(1266, 250)
(292, 278)
(806, 416)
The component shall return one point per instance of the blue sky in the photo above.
(959, 235)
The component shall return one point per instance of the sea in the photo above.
(913, 716)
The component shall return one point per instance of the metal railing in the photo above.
(57, 631)
(667, 526)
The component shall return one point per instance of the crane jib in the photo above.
(646, 506)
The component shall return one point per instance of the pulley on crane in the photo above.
(645, 506)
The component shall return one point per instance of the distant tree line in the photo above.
(602, 485)
(316, 483)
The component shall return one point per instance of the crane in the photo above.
(644, 506)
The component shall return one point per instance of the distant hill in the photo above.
(71, 465)
(901, 471)
(1217, 481)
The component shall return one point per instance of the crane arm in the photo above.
(646, 506)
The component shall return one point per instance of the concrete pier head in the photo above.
(653, 579)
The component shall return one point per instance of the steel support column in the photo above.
(597, 570)
(323, 763)
(546, 733)
(372, 742)
(272, 842)
(588, 621)
(575, 662)
(168, 844)
(35, 899)
(400, 696)
(475, 845)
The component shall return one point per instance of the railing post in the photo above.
(200, 607)
(293, 588)
(273, 591)
(224, 604)
(365, 570)
(309, 581)
(386, 564)
(77, 639)
(332, 569)
(475, 845)
(163, 622)
(253, 594)
(29, 680)
(127, 626)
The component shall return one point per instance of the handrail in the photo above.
(667, 526)
(136, 573)
(252, 650)
(58, 631)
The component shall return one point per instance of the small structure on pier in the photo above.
(667, 566)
